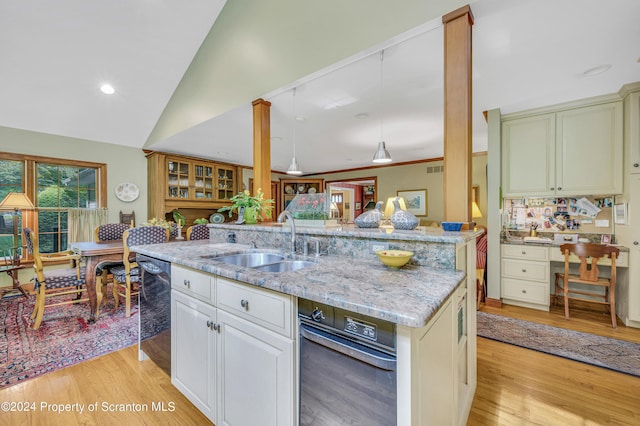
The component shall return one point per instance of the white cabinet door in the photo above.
(589, 150)
(256, 375)
(632, 128)
(193, 351)
(528, 157)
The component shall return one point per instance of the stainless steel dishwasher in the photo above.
(347, 367)
(154, 330)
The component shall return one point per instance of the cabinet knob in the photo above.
(551, 189)
(524, 291)
(636, 165)
(524, 270)
(245, 304)
(559, 188)
(524, 252)
(211, 325)
(187, 283)
(635, 243)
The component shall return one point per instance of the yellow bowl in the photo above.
(394, 258)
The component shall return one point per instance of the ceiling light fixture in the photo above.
(381, 155)
(597, 70)
(294, 167)
(107, 89)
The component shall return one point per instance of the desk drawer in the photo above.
(525, 252)
(525, 291)
(622, 261)
(193, 283)
(526, 270)
(264, 307)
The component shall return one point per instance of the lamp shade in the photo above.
(389, 208)
(16, 201)
(475, 210)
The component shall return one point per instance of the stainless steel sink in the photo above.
(249, 260)
(285, 266)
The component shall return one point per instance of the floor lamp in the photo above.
(16, 201)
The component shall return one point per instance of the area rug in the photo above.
(606, 352)
(63, 339)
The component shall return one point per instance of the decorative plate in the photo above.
(289, 189)
(216, 218)
(127, 192)
(301, 188)
(312, 190)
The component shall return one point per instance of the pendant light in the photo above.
(294, 167)
(382, 155)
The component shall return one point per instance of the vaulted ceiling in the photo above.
(185, 73)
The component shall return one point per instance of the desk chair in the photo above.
(107, 232)
(129, 218)
(588, 275)
(129, 273)
(481, 266)
(54, 282)
(198, 232)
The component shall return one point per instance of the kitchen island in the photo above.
(435, 337)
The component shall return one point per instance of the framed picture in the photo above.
(620, 214)
(415, 200)
(358, 205)
(605, 239)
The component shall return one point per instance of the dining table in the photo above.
(96, 255)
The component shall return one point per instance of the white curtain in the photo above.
(82, 222)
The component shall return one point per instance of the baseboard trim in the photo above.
(494, 303)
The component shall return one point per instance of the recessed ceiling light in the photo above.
(362, 116)
(299, 118)
(276, 138)
(107, 89)
(597, 70)
(222, 153)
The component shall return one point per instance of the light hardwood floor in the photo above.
(515, 386)
(522, 387)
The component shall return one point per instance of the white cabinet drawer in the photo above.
(194, 283)
(525, 291)
(526, 270)
(270, 309)
(525, 252)
(622, 261)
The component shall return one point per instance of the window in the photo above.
(11, 177)
(55, 186)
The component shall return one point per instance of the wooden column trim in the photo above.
(457, 115)
(262, 146)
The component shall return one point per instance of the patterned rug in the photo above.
(63, 339)
(614, 354)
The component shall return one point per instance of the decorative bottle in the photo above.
(370, 219)
(402, 219)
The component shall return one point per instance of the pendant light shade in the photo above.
(382, 155)
(294, 167)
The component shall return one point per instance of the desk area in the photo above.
(528, 272)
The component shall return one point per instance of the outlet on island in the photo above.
(377, 245)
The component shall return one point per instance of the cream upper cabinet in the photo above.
(573, 151)
(589, 150)
(528, 158)
(632, 128)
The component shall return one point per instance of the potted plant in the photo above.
(255, 207)
(200, 221)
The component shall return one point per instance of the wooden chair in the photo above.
(129, 218)
(54, 282)
(129, 273)
(198, 232)
(481, 266)
(589, 275)
(107, 232)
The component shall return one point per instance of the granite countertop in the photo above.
(407, 296)
(421, 234)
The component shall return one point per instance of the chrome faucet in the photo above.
(307, 242)
(287, 214)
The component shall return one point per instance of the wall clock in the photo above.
(127, 192)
